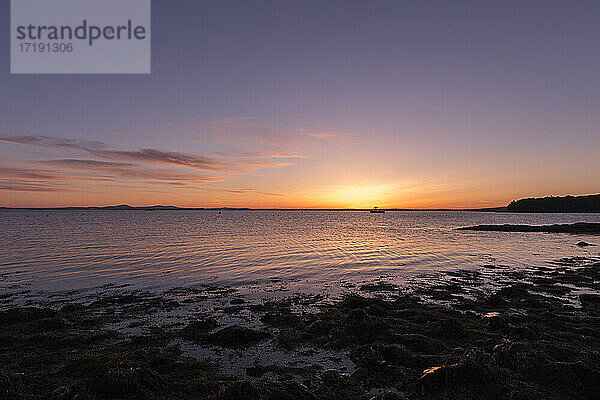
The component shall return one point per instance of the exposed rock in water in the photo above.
(584, 244)
(577, 228)
(379, 287)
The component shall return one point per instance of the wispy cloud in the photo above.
(28, 174)
(246, 191)
(250, 130)
(252, 145)
(252, 138)
(87, 164)
(257, 154)
(27, 186)
(47, 141)
(162, 157)
(31, 180)
(98, 149)
(107, 171)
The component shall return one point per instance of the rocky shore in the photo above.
(534, 334)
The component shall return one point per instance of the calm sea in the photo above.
(59, 250)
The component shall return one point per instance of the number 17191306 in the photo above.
(46, 47)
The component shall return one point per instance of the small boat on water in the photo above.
(376, 210)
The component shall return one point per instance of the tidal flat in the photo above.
(524, 334)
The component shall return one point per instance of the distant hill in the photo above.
(565, 204)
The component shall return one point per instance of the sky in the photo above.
(318, 104)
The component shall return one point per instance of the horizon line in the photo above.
(160, 207)
(156, 207)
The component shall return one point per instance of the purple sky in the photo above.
(318, 104)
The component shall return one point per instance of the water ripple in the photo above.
(70, 249)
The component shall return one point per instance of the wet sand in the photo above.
(492, 333)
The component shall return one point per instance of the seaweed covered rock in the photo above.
(264, 390)
(281, 318)
(474, 374)
(361, 327)
(379, 287)
(8, 385)
(60, 393)
(22, 315)
(388, 396)
(449, 327)
(330, 376)
(198, 330)
(516, 295)
(340, 387)
(354, 301)
(50, 324)
(289, 338)
(579, 378)
(130, 382)
(529, 346)
(521, 358)
(319, 328)
(419, 343)
(573, 378)
(495, 321)
(590, 301)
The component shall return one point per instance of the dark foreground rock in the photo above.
(265, 390)
(474, 373)
(519, 342)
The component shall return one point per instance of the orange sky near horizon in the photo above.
(249, 163)
(319, 173)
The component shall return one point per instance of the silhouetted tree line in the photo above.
(589, 203)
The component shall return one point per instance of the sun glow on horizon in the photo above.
(359, 195)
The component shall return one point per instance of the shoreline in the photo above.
(213, 342)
